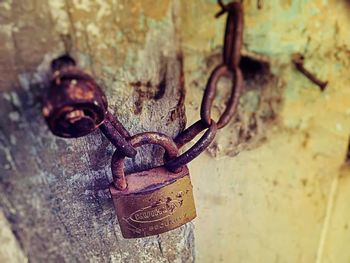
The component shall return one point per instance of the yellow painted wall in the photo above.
(287, 199)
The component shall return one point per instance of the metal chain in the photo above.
(137, 140)
(230, 67)
(66, 114)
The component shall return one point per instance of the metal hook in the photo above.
(223, 9)
(226, 7)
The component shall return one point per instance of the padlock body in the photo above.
(154, 202)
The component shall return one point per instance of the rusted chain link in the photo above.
(136, 141)
(233, 34)
(116, 133)
(113, 135)
(230, 68)
(201, 145)
(76, 105)
(210, 92)
(190, 133)
(117, 125)
(231, 57)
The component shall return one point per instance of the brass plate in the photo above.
(155, 209)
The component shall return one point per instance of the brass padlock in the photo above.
(154, 201)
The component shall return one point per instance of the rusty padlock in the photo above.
(154, 201)
(74, 105)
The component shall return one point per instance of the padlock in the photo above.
(154, 201)
(74, 105)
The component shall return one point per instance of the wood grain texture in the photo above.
(53, 191)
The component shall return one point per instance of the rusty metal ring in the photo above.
(233, 38)
(117, 125)
(210, 92)
(195, 150)
(117, 135)
(190, 133)
(138, 140)
(118, 140)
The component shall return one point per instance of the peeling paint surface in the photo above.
(281, 198)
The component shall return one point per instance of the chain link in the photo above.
(136, 141)
(233, 40)
(111, 129)
(119, 136)
(210, 92)
(202, 144)
(233, 34)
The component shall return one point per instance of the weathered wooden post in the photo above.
(53, 191)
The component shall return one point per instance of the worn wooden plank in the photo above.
(53, 191)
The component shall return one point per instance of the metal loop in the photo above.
(202, 144)
(81, 120)
(117, 125)
(210, 92)
(233, 38)
(114, 136)
(138, 140)
(191, 132)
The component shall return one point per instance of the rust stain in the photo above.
(179, 110)
(147, 91)
(79, 93)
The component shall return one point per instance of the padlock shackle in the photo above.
(138, 140)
